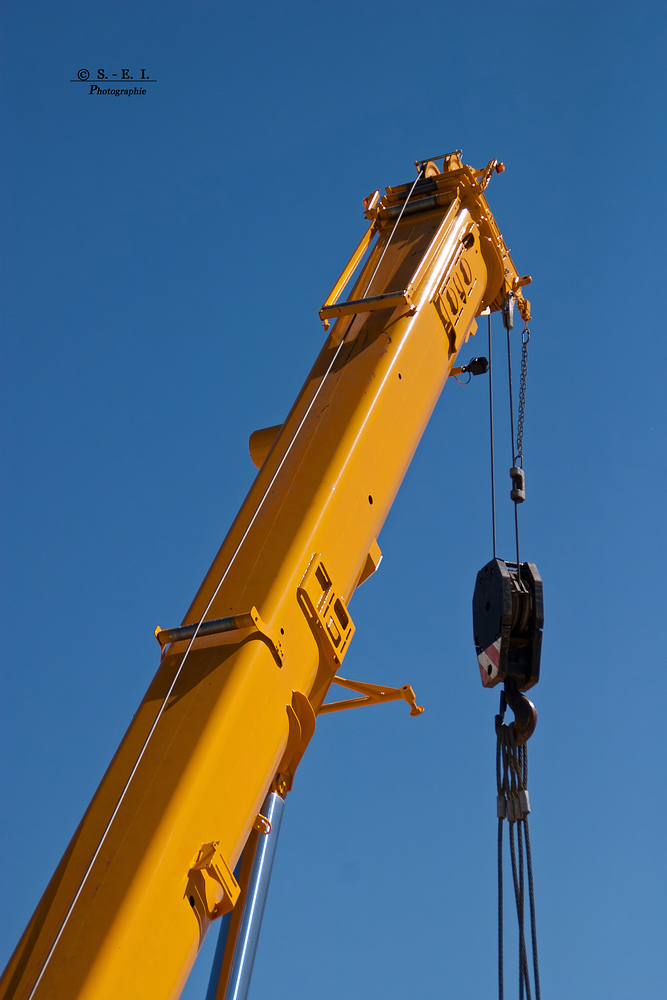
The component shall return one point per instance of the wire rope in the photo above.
(516, 506)
(521, 909)
(180, 667)
(533, 921)
(493, 470)
(500, 785)
(501, 985)
(391, 235)
(206, 611)
(512, 780)
(512, 759)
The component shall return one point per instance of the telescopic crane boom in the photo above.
(234, 702)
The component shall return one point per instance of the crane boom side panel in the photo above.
(326, 487)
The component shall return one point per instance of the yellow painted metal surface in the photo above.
(261, 442)
(240, 717)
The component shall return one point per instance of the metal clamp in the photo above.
(212, 889)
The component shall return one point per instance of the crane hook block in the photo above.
(508, 616)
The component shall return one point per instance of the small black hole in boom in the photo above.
(370, 499)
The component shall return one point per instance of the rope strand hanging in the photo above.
(508, 616)
(493, 449)
(518, 492)
(513, 805)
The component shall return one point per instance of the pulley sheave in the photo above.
(508, 616)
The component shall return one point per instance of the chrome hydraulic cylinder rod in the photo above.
(235, 954)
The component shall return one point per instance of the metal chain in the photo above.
(525, 338)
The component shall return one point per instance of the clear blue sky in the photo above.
(163, 260)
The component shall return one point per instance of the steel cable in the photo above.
(391, 235)
(501, 797)
(516, 506)
(515, 879)
(533, 921)
(511, 780)
(180, 669)
(206, 611)
(493, 471)
(521, 911)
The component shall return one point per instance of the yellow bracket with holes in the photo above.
(326, 611)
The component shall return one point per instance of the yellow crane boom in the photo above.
(234, 702)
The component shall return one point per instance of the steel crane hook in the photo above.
(525, 713)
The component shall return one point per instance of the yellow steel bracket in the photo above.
(301, 719)
(248, 620)
(262, 825)
(375, 694)
(212, 889)
(326, 612)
